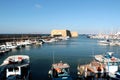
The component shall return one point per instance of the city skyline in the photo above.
(42, 16)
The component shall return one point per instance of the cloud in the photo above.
(38, 6)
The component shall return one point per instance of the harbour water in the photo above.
(73, 51)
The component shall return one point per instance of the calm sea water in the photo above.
(73, 51)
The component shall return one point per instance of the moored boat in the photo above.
(16, 67)
(104, 42)
(59, 71)
(112, 68)
(92, 70)
(3, 49)
(107, 57)
(111, 64)
(11, 45)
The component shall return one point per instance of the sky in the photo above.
(42, 16)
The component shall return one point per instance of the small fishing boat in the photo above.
(60, 71)
(93, 70)
(111, 64)
(113, 69)
(15, 67)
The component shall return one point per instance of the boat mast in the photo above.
(93, 54)
(53, 58)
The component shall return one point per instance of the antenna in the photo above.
(53, 58)
(93, 53)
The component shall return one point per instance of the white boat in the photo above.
(62, 38)
(19, 44)
(11, 45)
(15, 67)
(109, 42)
(108, 57)
(104, 42)
(26, 42)
(49, 40)
(60, 71)
(4, 49)
(112, 68)
(111, 63)
(38, 43)
(113, 43)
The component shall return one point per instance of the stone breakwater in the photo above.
(17, 37)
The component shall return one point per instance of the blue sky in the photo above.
(42, 16)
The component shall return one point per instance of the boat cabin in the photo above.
(13, 71)
(60, 70)
(112, 67)
(17, 70)
(109, 54)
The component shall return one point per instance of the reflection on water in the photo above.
(74, 51)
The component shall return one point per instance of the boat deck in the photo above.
(25, 71)
(14, 64)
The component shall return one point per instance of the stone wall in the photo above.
(63, 33)
(74, 34)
